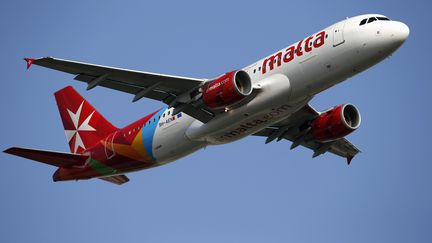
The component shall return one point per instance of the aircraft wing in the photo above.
(175, 91)
(295, 129)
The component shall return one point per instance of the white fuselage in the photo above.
(286, 85)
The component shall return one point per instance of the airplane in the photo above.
(269, 98)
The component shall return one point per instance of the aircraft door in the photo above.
(109, 146)
(338, 33)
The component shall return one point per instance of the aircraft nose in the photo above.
(400, 32)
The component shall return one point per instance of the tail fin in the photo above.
(84, 126)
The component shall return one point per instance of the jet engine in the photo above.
(336, 123)
(227, 89)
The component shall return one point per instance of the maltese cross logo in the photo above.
(85, 126)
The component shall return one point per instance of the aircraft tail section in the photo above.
(84, 125)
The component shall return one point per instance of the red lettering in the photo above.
(298, 49)
(319, 41)
(272, 60)
(289, 55)
(292, 51)
(308, 48)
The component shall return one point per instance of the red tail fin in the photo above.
(84, 126)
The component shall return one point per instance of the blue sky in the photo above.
(241, 192)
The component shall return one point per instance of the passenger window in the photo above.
(371, 20)
(363, 22)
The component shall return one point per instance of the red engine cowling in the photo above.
(227, 89)
(336, 123)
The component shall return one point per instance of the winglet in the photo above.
(349, 159)
(29, 62)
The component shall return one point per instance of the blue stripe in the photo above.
(148, 132)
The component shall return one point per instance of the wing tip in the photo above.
(349, 159)
(29, 61)
(10, 150)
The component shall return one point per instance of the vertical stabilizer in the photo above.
(84, 125)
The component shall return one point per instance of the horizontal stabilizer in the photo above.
(58, 159)
(118, 179)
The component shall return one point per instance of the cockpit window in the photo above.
(383, 18)
(371, 20)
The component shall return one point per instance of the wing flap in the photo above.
(125, 87)
(58, 159)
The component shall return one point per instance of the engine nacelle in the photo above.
(336, 123)
(227, 89)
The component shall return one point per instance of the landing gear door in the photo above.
(338, 33)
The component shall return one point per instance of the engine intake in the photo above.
(227, 89)
(336, 123)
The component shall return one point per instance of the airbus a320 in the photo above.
(268, 98)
